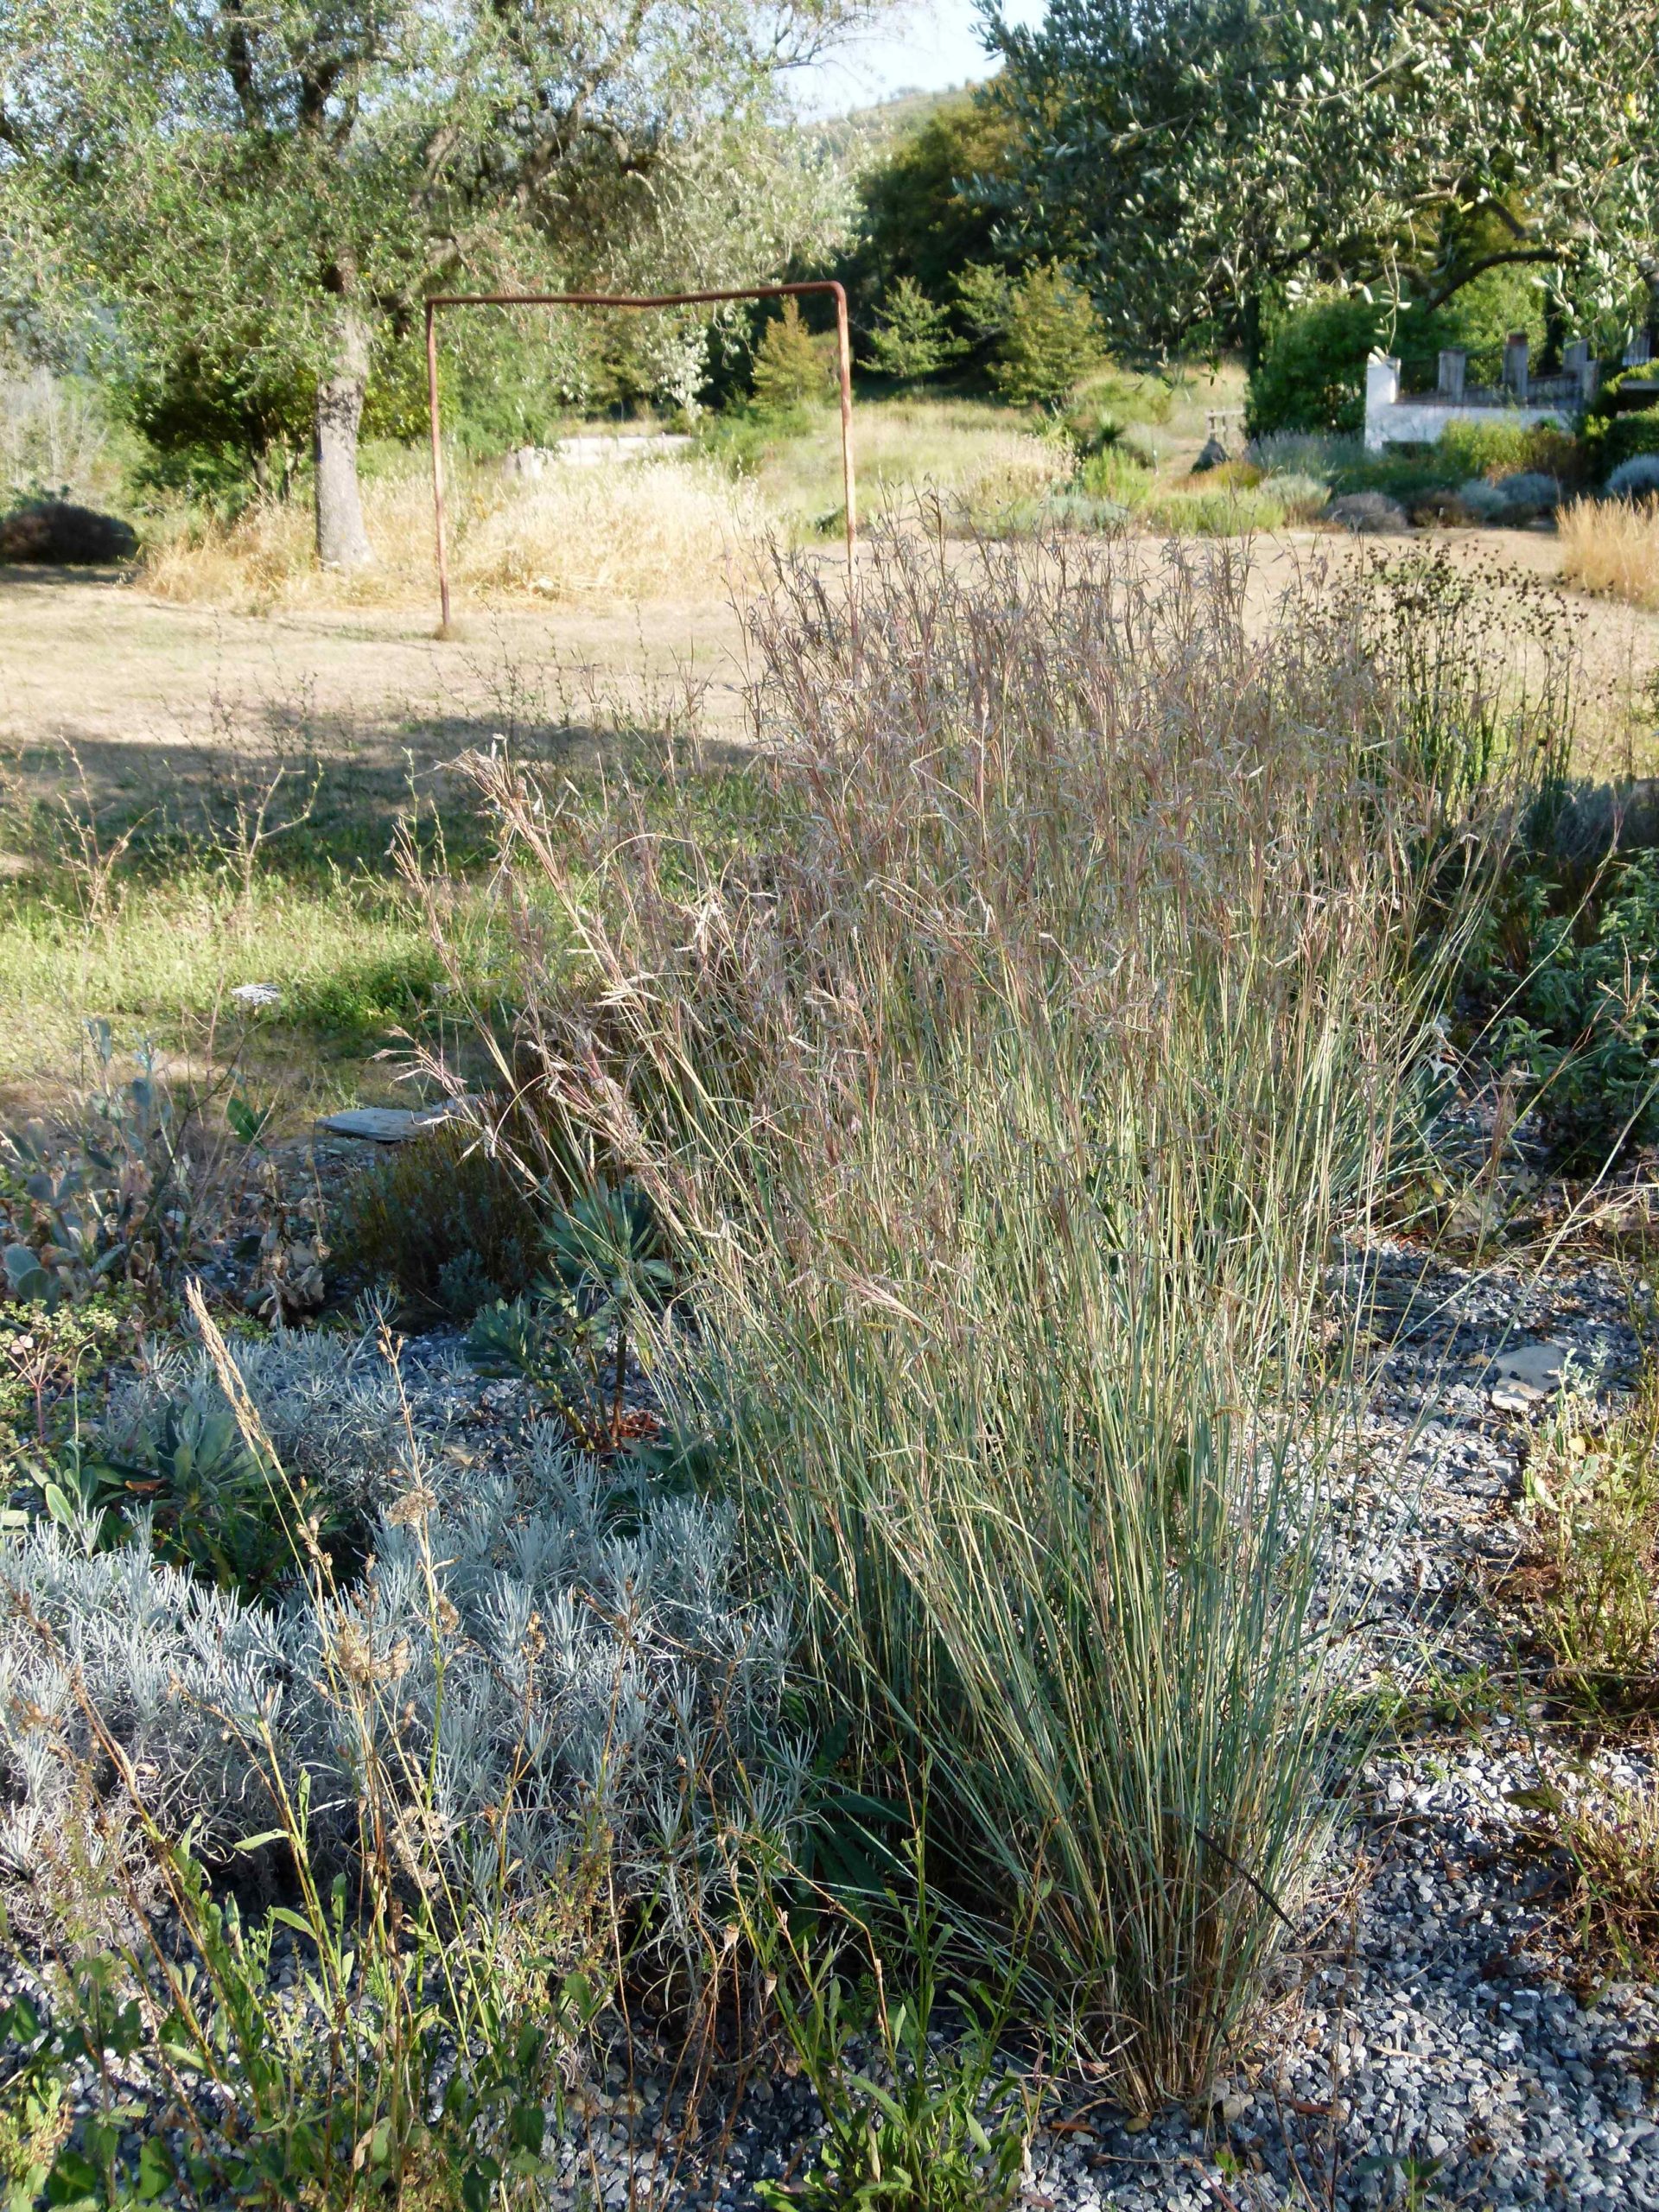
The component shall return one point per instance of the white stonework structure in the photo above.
(1419, 419)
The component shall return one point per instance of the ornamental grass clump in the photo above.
(1005, 1119)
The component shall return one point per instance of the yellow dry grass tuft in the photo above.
(1611, 547)
(638, 531)
(1010, 471)
(632, 531)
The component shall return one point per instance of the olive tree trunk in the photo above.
(342, 542)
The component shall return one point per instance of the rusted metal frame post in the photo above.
(843, 364)
(437, 464)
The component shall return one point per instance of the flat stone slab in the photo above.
(1528, 1373)
(392, 1124)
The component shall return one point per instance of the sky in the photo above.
(926, 46)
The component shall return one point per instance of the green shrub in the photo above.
(1605, 406)
(1495, 450)
(743, 438)
(912, 337)
(1052, 339)
(1228, 511)
(1116, 474)
(446, 1220)
(791, 365)
(1406, 477)
(1575, 979)
(985, 300)
(1312, 373)
(1622, 438)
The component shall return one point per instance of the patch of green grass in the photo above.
(155, 940)
(349, 954)
(1228, 511)
(1437, 1700)
(903, 447)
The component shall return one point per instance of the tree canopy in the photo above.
(1187, 153)
(264, 194)
(923, 213)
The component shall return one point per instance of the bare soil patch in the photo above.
(139, 685)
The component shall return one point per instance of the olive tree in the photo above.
(268, 189)
(1186, 153)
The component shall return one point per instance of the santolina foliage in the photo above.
(527, 1677)
(330, 1406)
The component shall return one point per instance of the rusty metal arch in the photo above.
(844, 360)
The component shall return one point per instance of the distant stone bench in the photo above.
(592, 451)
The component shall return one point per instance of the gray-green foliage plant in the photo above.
(418, 2036)
(329, 1403)
(1635, 479)
(1574, 981)
(171, 1454)
(207, 1499)
(537, 1670)
(112, 1197)
(571, 1337)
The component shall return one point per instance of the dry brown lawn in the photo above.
(146, 690)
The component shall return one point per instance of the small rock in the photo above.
(392, 1124)
(1528, 1373)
